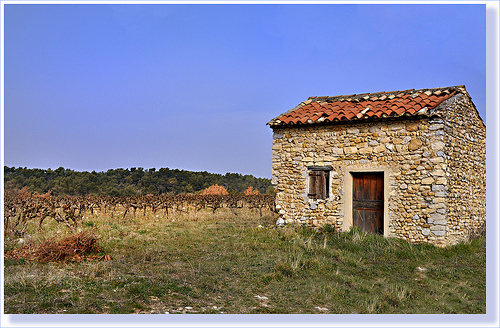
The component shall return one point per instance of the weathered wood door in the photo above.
(368, 201)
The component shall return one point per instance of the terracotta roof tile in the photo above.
(366, 106)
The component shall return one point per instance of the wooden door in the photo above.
(368, 201)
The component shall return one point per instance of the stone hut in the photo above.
(408, 164)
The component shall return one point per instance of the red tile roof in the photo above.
(367, 106)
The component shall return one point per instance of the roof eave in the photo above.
(353, 121)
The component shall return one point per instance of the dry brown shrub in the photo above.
(215, 190)
(72, 248)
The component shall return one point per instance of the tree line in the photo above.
(127, 182)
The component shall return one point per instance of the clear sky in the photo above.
(95, 87)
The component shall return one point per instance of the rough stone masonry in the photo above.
(429, 145)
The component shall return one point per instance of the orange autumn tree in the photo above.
(215, 190)
(250, 191)
(45, 196)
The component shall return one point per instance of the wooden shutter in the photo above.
(314, 183)
(318, 184)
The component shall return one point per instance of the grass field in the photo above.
(226, 263)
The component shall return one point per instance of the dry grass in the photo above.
(204, 262)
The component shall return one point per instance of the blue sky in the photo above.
(95, 87)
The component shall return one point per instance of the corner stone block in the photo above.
(438, 187)
(438, 173)
(438, 217)
(435, 228)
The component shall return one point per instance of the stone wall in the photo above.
(466, 153)
(412, 153)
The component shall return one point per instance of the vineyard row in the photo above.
(22, 209)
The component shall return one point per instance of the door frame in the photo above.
(348, 185)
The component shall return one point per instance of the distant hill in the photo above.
(127, 182)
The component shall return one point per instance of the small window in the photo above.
(319, 182)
